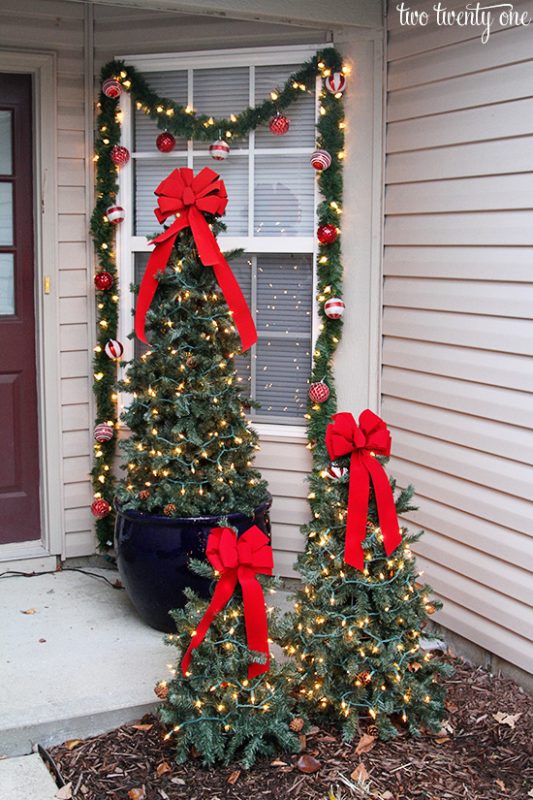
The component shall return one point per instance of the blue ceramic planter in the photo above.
(153, 556)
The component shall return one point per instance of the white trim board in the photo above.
(42, 66)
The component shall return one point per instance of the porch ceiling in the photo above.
(311, 13)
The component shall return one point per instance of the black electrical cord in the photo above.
(16, 574)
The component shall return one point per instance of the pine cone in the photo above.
(161, 690)
(296, 724)
(144, 494)
(169, 510)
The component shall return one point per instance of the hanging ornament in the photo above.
(318, 392)
(115, 214)
(279, 125)
(114, 349)
(334, 308)
(320, 160)
(165, 142)
(112, 88)
(219, 150)
(100, 508)
(103, 281)
(327, 233)
(103, 432)
(120, 155)
(335, 472)
(336, 83)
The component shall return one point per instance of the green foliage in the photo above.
(190, 443)
(216, 708)
(355, 636)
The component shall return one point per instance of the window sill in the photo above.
(267, 433)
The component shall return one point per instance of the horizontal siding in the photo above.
(457, 376)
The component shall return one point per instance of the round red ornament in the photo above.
(279, 125)
(320, 160)
(115, 214)
(114, 349)
(327, 233)
(336, 83)
(103, 432)
(100, 508)
(103, 281)
(318, 392)
(111, 88)
(219, 150)
(335, 472)
(120, 155)
(334, 308)
(165, 142)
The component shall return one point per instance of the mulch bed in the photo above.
(477, 756)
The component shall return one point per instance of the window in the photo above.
(271, 210)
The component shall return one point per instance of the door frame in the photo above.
(41, 65)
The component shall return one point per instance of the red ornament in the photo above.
(279, 125)
(103, 432)
(320, 160)
(336, 83)
(114, 349)
(100, 508)
(112, 88)
(120, 155)
(327, 233)
(103, 281)
(318, 392)
(335, 472)
(165, 142)
(115, 214)
(334, 308)
(219, 150)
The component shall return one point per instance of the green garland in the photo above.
(184, 123)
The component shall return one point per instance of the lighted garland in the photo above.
(183, 122)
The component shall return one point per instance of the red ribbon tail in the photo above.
(157, 263)
(223, 591)
(358, 493)
(255, 619)
(388, 519)
(237, 304)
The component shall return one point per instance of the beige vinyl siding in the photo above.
(457, 367)
(57, 26)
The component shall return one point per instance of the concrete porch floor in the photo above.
(81, 664)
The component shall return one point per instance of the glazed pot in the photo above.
(153, 554)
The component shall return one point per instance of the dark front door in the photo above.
(19, 440)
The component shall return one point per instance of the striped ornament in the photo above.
(114, 349)
(112, 88)
(103, 432)
(336, 83)
(320, 160)
(334, 308)
(115, 214)
(120, 155)
(219, 150)
(335, 472)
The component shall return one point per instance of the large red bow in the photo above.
(188, 197)
(238, 559)
(371, 437)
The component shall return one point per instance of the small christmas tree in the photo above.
(355, 631)
(221, 700)
(191, 448)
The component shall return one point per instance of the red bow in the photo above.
(189, 197)
(371, 437)
(238, 559)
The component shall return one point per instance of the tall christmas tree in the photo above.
(355, 631)
(191, 448)
(225, 699)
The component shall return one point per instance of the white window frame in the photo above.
(128, 244)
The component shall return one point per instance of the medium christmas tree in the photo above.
(355, 631)
(225, 700)
(191, 448)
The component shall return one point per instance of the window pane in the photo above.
(284, 294)
(234, 173)
(6, 146)
(284, 193)
(242, 269)
(220, 93)
(301, 113)
(166, 84)
(6, 214)
(148, 175)
(7, 284)
(282, 371)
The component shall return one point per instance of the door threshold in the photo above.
(26, 557)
